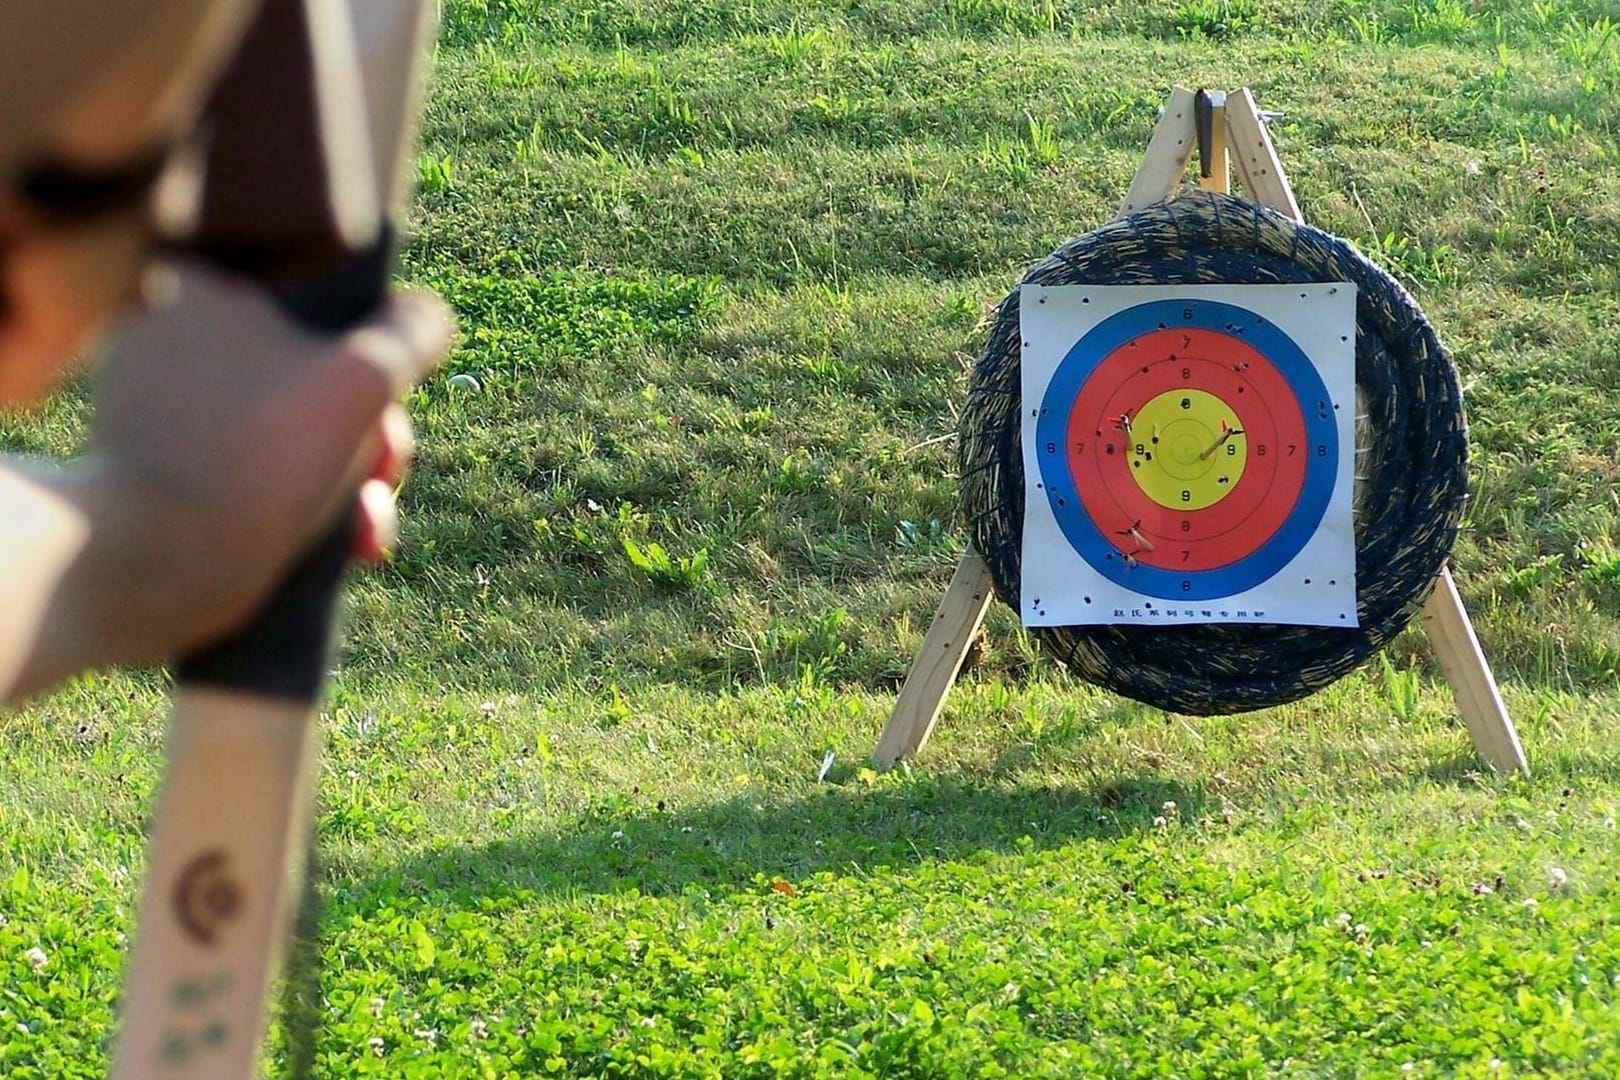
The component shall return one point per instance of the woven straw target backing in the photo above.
(1411, 463)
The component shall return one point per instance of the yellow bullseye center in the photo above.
(1187, 449)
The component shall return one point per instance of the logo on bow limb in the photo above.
(206, 897)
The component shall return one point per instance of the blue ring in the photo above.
(1077, 366)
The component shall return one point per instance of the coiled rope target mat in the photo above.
(1411, 457)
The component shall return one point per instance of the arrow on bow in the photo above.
(297, 173)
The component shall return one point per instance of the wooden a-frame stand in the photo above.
(1233, 132)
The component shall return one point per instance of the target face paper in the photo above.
(1189, 454)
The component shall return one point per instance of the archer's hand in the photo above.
(227, 438)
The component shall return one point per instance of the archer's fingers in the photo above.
(377, 362)
(398, 446)
(376, 526)
(406, 339)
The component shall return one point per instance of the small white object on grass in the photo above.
(826, 766)
(463, 381)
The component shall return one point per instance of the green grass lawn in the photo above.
(721, 266)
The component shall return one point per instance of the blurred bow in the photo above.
(306, 133)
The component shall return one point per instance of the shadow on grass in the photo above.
(1464, 768)
(848, 828)
(1550, 770)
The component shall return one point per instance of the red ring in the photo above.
(1222, 365)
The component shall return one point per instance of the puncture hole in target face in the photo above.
(1189, 451)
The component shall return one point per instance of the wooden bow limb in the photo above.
(296, 177)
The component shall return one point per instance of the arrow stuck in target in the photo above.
(1227, 432)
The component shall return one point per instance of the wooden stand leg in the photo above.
(1167, 154)
(943, 648)
(1258, 167)
(1465, 668)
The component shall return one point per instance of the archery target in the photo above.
(1189, 454)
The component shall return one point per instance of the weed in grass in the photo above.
(1367, 28)
(662, 568)
(1400, 689)
(528, 148)
(1411, 260)
(795, 475)
(1000, 16)
(927, 541)
(1601, 564)
(1214, 18)
(837, 107)
(1565, 127)
(1436, 21)
(435, 174)
(671, 117)
(797, 48)
(1041, 136)
(1585, 44)
(516, 322)
(1543, 572)
(1016, 161)
(833, 369)
(504, 75)
(817, 648)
